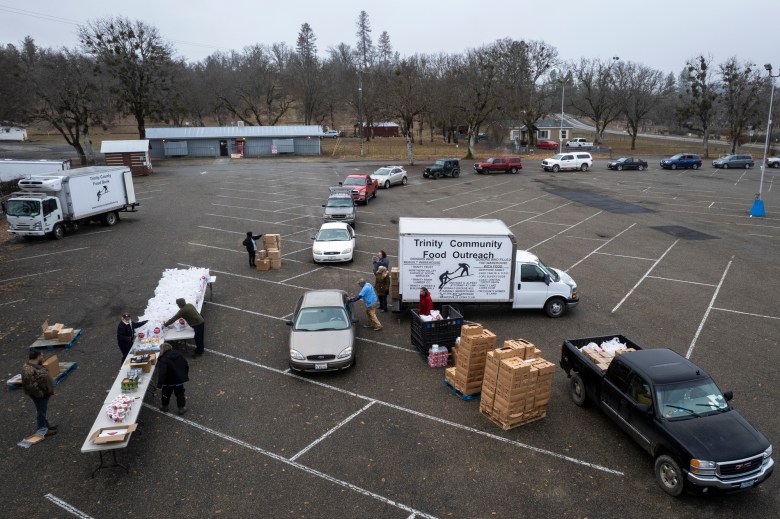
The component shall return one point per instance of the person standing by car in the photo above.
(250, 242)
(380, 260)
(382, 286)
(38, 384)
(190, 314)
(125, 334)
(368, 295)
(426, 303)
(172, 372)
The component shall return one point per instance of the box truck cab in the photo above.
(52, 204)
(475, 261)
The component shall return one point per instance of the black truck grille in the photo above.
(734, 469)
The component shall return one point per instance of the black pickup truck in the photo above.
(675, 411)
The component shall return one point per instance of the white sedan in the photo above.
(334, 242)
(389, 175)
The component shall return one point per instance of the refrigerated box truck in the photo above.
(475, 261)
(52, 204)
(13, 169)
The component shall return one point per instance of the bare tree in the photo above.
(595, 96)
(137, 57)
(697, 109)
(405, 100)
(741, 83)
(639, 90)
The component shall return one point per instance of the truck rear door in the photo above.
(530, 290)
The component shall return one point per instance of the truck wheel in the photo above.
(455, 173)
(513, 170)
(109, 219)
(58, 232)
(640, 168)
(668, 475)
(584, 167)
(577, 390)
(556, 168)
(555, 307)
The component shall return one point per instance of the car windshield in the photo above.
(491, 160)
(553, 275)
(690, 399)
(339, 202)
(355, 182)
(322, 318)
(624, 159)
(333, 235)
(23, 208)
(383, 171)
(440, 163)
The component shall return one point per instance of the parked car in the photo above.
(579, 142)
(628, 163)
(572, 161)
(443, 168)
(773, 162)
(682, 161)
(547, 145)
(340, 206)
(389, 175)
(322, 336)
(363, 187)
(734, 161)
(331, 134)
(334, 242)
(503, 164)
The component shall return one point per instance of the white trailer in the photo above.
(475, 261)
(52, 204)
(14, 169)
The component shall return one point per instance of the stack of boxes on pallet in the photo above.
(395, 279)
(270, 256)
(517, 384)
(469, 359)
(57, 331)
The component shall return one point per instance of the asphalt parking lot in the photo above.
(667, 258)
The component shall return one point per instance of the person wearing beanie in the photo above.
(189, 313)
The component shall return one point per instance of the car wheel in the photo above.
(640, 168)
(577, 390)
(58, 232)
(674, 166)
(403, 181)
(747, 166)
(668, 475)
(620, 168)
(775, 165)
(696, 166)
(555, 307)
(513, 170)
(584, 167)
(556, 168)
(387, 184)
(725, 166)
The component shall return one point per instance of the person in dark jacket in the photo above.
(125, 334)
(190, 314)
(172, 372)
(380, 260)
(426, 303)
(382, 286)
(250, 242)
(37, 383)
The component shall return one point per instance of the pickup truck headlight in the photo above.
(345, 353)
(296, 355)
(703, 468)
(768, 453)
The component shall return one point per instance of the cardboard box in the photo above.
(276, 264)
(261, 254)
(65, 335)
(51, 331)
(264, 264)
(122, 433)
(53, 365)
(468, 330)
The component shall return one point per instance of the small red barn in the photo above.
(134, 154)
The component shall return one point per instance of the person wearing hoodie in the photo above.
(426, 303)
(172, 373)
(250, 242)
(382, 286)
(190, 314)
(38, 384)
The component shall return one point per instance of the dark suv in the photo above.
(443, 167)
(682, 161)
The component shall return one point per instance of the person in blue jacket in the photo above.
(369, 297)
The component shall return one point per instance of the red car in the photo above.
(547, 145)
(363, 188)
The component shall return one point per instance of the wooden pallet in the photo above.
(66, 368)
(506, 426)
(460, 395)
(42, 343)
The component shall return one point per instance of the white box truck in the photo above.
(13, 169)
(475, 261)
(52, 204)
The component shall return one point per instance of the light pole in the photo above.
(758, 205)
(560, 132)
(360, 108)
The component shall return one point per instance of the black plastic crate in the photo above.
(442, 332)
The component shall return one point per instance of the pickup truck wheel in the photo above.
(577, 390)
(554, 307)
(58, 232)
(640, 168)
(513, 170)
(668, 475)
(109, 219)
(556, 168)
(584, 167)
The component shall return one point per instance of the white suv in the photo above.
(573, 161)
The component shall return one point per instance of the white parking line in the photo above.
(12, 302)
(245, 311)
(331, 431)
(565, 230)
(745, 313)
(304, 274)
(644, 276)
(596, 250)
(540, 214)
(426, 416)
(292, 463)
(387, 345)
(683, 281)
(30, 275)
(740, 177)
(213, 247)
(47, 254)
(709, 307)
(65, 506)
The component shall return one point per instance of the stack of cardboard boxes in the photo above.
(517, 384)
(57, 331)
(603, 357)
(395, 280)
(469, 359)
(270, 256)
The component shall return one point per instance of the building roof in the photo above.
(124, 146)
(552, 123)
(217, 132)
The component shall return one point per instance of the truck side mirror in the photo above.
(288, 323)
(323, 205)
(728, 395)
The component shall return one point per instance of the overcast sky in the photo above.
(662, 34)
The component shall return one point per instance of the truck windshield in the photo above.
(23, 207)
(553, 275)
(340, 202)
(690, 399)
